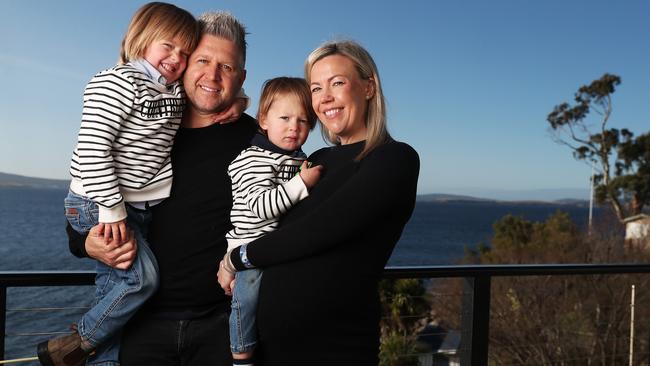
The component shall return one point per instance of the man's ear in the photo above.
(243, 78)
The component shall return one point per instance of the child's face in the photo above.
(168, 57)
(286, 123)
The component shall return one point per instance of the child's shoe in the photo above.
(62, 351)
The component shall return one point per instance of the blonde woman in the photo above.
(318, 300)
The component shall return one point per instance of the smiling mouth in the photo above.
(209, 90)
(169, 68)
(332, 112)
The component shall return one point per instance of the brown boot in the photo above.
(62, 351)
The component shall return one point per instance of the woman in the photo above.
(318, 301)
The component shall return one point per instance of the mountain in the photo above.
(20, 181)
(13, 180)
(446, 198)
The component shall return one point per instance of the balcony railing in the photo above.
(476, 299)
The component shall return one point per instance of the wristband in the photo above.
(244, 257)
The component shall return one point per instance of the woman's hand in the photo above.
(226, 279)
(113, 254)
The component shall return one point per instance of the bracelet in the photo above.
(244, 257)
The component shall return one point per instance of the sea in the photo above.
(32, 238)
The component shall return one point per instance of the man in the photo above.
(186, 321)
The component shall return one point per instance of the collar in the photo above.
(147, 68)
(263, 142)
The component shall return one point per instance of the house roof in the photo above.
(636, 218)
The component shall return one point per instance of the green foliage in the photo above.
(404, 307)
(558, 320)
(517, 240)
(397, 350)
(403, 304)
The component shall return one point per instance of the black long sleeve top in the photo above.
(318, 299)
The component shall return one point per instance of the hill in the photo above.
(20, 181)
(448, 198)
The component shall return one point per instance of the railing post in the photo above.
(475, 321)
(3, 319)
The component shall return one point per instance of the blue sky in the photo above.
(468, 83)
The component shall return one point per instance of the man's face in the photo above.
(214, 75)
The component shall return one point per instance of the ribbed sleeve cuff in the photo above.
(296, 189)
(113, 214)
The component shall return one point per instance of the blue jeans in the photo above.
(243, 330)
(118, 293)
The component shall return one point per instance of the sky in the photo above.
(468, 83)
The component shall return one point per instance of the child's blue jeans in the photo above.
(243, 330)
(118, 293)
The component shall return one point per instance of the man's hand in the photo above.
(310, 176)
(231, 114)
(226, 279)
(113, 254)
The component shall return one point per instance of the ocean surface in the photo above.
(32, 237)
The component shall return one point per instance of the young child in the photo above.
(267, 180)
(121, 166)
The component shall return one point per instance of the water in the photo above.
(32, 237)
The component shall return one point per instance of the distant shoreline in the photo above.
(19, 181)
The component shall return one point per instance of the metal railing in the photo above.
(476, 301)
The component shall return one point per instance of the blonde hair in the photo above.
(154, 21)
(377, 132)
(283, 86)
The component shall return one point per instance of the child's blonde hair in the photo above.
(155, 21)
(285, 85)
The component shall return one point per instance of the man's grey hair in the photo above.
(224, 25)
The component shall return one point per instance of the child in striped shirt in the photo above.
(121, 166)
(267, 180)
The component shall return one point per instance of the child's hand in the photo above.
(310, 176)
(233, 113)
(116, 231)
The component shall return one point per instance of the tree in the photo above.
(557, 320)
(623, 182)
(404, 307)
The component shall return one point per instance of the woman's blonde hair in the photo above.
(377, 133)
(282, 86)
(155, 21)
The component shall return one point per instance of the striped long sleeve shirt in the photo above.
(127, 131)
(265, 185)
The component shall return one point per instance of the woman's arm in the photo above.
(386, 181)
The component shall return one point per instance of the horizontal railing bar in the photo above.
(502, 270)
(46, 278)
(51, 309)
(68, 278)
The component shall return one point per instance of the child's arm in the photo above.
(108, 102)
(254, 184)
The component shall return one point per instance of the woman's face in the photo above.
(340, 97)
